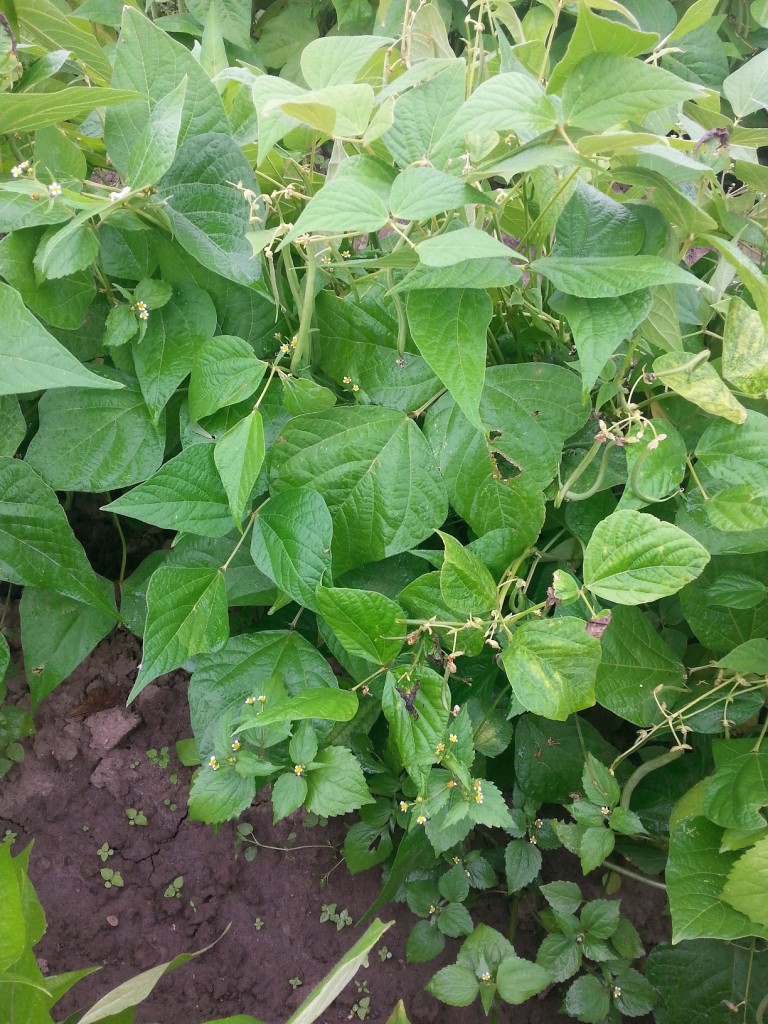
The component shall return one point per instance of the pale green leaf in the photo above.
(633, 558)
(746, 89)
(154, 151)
(551, 665)
(699, 382)
(338, 59)
(605, 277)
(422, 192)
(30, 111)
(738, 508)
(745, 349)
(367, 624)
(465, 583)
(239, 454)
(746, 888)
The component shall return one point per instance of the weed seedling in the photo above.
(295, 983)
(9, 837)
(328, 913)
(135, 817)
(104, 851)
(112, 879)
(169, 804)
(258, 924)
(362, 1007)
(384, 954)
(160, 757)
(173, 891)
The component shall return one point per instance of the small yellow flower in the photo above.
(533, 840)
(325, 260)
(294, 341)
(298, 769)
(538, 823)
(479, 798)
(404, 806)
(141, 305)
(262, 699)
(355, 387)
(605, 810)
(439, 748)
(477, 784)
(451, 784)
(236, 745)
(616, 991)
(143, 314)
(453, 738)
(346, 380)
(486, 976)
(421, 820)
(432, 908)
(345, 253)
(17, 171)
(285, 348)
(457, 860)
(250, 700)
(54, 189)
(213, 763)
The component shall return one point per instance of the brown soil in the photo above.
(70, 796)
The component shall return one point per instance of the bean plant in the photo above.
(426, 343)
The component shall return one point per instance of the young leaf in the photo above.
(291, 543)
(367, 624)
(551, 664)
(154, 151)
(465, 583)
(31, 359)
(424, 943)
(746, 89)
(225, 371)
(186, 615)
(633, 558)
(288, 794)
(416, 737)
(522, 863)
(454, 985)
(587, 1000)
(606, 277)
(449, 328)
(336, 784)
(239, 454)
(518, 980)
(37, 546)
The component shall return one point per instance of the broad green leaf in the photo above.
(422, 192)
(37, 546)
(606, 277)
(324, 993)
(31, 359)
(518, 980)
(367, 624)
(225, 371)
(449, 329)
(55, 29)
(186, 494)
(64, 251)
(273, 664)
(365, 846)
(332, 704)
(733, 455)
(551, 665)
(341, 111)
(636, 663)
(154, 152)
(355, 200)
(57, 633)
(424, 943)
(186, 615)
(87, 443)
(633, 558)
(218, 796)
(234, 18)
(149, 61)
(637, 90)
(746, 89)
(465, 583)
(655, 464)
(454, 985)
(694, 17)
(376, 473)
(239, 454)
(338, 60)
(291, 543)
(738, 791)
(738, 508)
(136, 989)
(751, 656)
(300, 395)
(208, 212)
(719, 626)
(12, 425)
(416, 738)
(423, 598)
(479, 273)
(587, 1000)
(460, 246)
(599, 326)
(13, 932)
(522, 863)
(747, 885)
(593, 224)
(30, 111)
(699, 383)
(745, 349)
(61, 303)
(509, 102)
(288, 794)
(423, 114)
(696, 874)
(336, 784)
(598, 35)
(358, 339)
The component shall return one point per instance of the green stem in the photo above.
(695, 476)
(301, 353)
(645, 769)
(402, 326)
(243, 535)
(761, 737)
(123, 547)
(634, 875)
